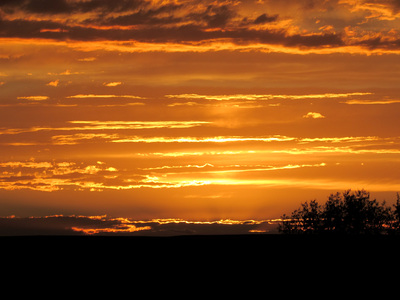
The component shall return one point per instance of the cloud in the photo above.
(87, 59)
(313, 115)
(150, 16)
(52, 176)
(349, 139)
(85, 96)
(215, 139)
(147, 21)
(54, 7)
(370, 102)
(33, 98)
(262, 97)
(53, 83)
(264, 18)
(194, 23)
(210, 169)
(180, 167)
(214, 16)
(103, 225)
(117, 125)
(107, 125)
(66, 72)
(377, 9)
(112, 84)
(74, 139)
(48, 6)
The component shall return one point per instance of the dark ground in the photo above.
(202, 260)
(247, 243)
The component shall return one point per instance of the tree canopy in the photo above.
(344, 213)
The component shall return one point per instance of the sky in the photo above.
(123, 116)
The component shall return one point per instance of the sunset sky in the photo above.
(143, 112)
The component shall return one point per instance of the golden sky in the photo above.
(195, 110)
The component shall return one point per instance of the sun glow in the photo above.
(194, 111)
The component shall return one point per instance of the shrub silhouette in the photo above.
(344, 213)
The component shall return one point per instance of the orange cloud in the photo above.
(33, 98)
(54, 83)
(84, 96)
(313, 115)
(254, 97)
(112, 84)
(216, 139)
(370, 102)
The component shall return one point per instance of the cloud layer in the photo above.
(103, 225)
(368, 25)
(193, 110)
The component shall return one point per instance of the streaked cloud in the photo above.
(65, 73)
(83, 96)
(371, 102)
(180, 167)
(48, 176)
(74, 139)
(100, 125)
(256, 97)
(56, 176)
(108, 125)
(112, 84)
(384, 10)
(87, 59)
(195, 153)
(231, 169)
(26, 164)
(347, 139)
(33, 98)
(228, 139)
(216, 139)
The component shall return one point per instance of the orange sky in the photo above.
(198, 110)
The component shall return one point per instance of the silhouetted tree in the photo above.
(306, 219)
(394, 227)
(344, 213)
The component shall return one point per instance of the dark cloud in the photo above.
(11, 3)
(34, 226)
(66, 7)
(110, 6)
(175, 23)
(48, 6)
(218, 16)
(53, 225)
(264, 18)
(143, 16)
(16, 178)
(26, 29)
(187, 33)
(379, 43)
(315, 40)
(81, 225)
(213, 16)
